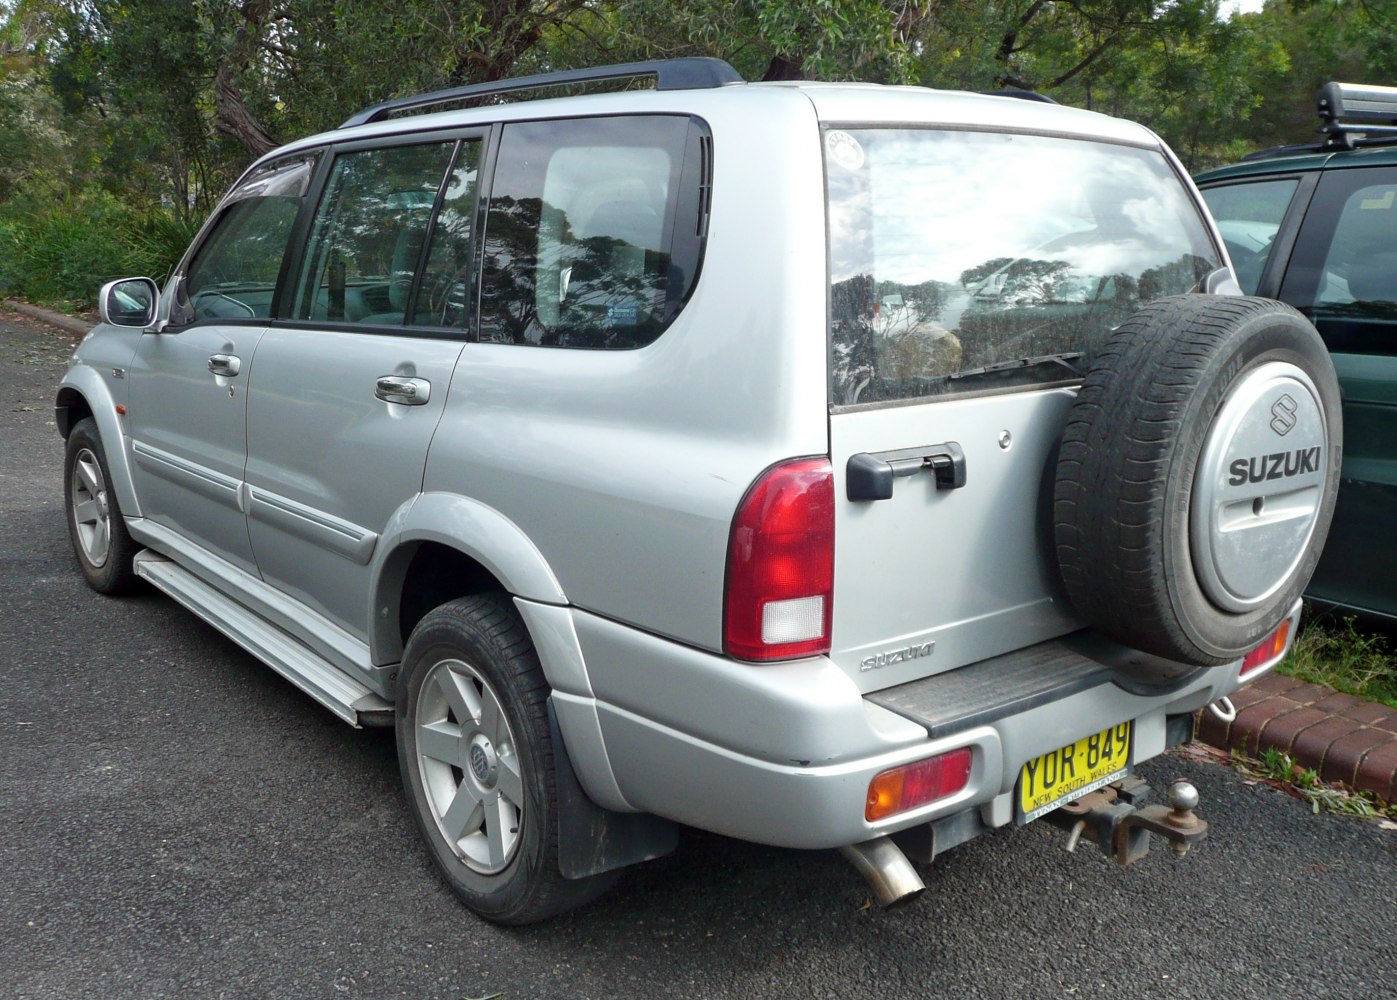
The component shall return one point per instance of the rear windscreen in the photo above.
(967, 261)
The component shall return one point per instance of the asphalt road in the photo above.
(178, 821)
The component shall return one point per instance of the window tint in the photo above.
(234, 273)
(1248, 216)
(1343, 271)
(443, 298)
(953, 251)
(1359, 275)
(593, 233)
(368, 234)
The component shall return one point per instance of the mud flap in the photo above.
(592, 840)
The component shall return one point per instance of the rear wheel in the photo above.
(476, 754)
(103, 546)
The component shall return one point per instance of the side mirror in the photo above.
(129, 302)
(1220, 282)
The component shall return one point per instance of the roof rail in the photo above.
(1353, 109)
(1020, 93)
(698, 73)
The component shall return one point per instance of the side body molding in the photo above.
(469, 527)
(87, 383)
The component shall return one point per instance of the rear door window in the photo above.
(368, 236)
(953, 252)
(594, 231)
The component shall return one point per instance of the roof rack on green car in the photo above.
(1352, 115)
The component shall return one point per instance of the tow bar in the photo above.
(1117, 819)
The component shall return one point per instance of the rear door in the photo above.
(973, 275)
(348, 387)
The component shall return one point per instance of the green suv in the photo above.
(1316, 227)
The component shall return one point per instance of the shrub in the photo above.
(63, 252)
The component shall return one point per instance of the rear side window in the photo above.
(594, 232)
(1249, 216)
(954, 252)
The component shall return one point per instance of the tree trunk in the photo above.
(232, 116)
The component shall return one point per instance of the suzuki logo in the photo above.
(1283, 413)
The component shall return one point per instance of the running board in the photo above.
(317, 677)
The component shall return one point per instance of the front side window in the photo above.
(965, 261)
(1359, 274)
(367, 237)
(234, 273)
(1343, 272)
(1249, 216)
(593, 234)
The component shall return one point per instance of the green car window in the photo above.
(1248, 216)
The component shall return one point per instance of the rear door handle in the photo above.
(225, 364)
(870, 476)
(399, 389)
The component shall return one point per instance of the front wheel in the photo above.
(102, 544)
(476, 755)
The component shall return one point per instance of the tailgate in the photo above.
(932, 579)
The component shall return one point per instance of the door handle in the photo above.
(225, 364)
(870, 477)
(399, 389)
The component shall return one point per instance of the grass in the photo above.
(1279, 768)
(1339, 655)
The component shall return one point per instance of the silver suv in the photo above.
(827, 466)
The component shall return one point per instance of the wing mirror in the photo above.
(129, 302)
(1220, 282)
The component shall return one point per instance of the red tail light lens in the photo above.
(779, 595)
(1272, 649)
(913, 785)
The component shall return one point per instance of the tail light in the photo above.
(1270, 651)
(913, 785)
(779, 592)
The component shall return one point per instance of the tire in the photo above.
(476, 756)
(1196, 476)
(103, 546)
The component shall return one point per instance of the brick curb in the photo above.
(1345, 739)
(64, 322)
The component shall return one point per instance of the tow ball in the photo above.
(1119, 820)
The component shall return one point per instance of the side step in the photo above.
(317, 677)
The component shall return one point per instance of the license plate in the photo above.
(1071, 772)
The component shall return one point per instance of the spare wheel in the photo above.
(1197, 474)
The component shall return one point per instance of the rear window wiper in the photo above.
(999, 367)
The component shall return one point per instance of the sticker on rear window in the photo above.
(844, 150)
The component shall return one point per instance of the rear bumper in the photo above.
(784, 754)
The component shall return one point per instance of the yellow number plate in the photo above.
(1069, 773)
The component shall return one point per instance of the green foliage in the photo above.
(160, 103)
(1279, 768)
(64, 252)
(1341, 656)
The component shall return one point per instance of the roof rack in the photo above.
(1351, 109)
(698, 73)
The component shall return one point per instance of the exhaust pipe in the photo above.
(888, 872)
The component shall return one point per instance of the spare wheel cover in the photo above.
(1259, 487)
